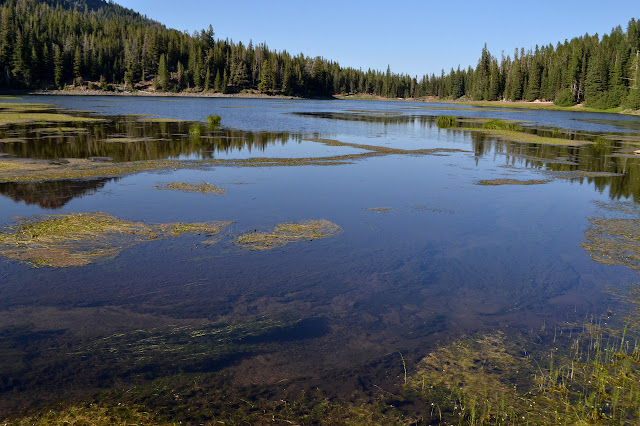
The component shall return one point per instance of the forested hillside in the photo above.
(92, 43)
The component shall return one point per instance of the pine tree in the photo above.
(58, 66)
(163, 74)
(207, 80)
(77, 64)
(217, 84)
(266, 77)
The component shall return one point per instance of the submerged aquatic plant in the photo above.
(585, 377)
(615, 240)
(81, 238)
(285, 233)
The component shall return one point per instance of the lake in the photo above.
(441, 233)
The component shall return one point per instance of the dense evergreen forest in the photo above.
(100, 45)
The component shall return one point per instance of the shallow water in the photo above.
(448, 257)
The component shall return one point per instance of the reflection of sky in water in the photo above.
(275, 114)
(292, 149)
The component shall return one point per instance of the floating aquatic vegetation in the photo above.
(383, 149)
(285, 233)
(81, 238)
(202, 187)
(381, 209)
(472, 379)
(614, 241)
(584, 173)
(30, 171)
(495, 182)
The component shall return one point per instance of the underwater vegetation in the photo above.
(615, 240)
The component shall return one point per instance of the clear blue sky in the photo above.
(412, 36)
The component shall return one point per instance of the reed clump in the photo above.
(213, 121)
(445, 121)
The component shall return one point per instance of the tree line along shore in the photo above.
(100, 46)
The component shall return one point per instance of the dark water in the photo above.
(449, 257)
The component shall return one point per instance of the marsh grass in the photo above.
(285, 233)
(81, 238)
(445, 121)
(29, 117)
(538, 106)
(496, 182)
(496, 124)
(202, 187)
(196, 130)
(213, 121)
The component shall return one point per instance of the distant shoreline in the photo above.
(540, 105)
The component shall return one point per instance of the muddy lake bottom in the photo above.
(352, 241)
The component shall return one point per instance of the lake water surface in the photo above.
(425, 254)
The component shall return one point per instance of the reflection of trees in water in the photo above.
(140, 140)
(51, 194)
(568, 161)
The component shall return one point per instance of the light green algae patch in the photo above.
(285, 233)
(202, 187)
(80, 238)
